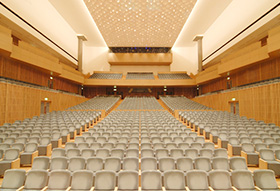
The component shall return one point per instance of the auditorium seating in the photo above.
(245, 86)
(173, 76)
(140, 76)
(134, 103)
(113, 76)
(181, 103)
(97, 103)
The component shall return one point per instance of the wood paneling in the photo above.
(273, 41)
(126, 82)
(243, 60)
(6, 41)
(20, 102)
(257, 72)
(14, 69)
(40, 61)
(90, 92)
(140, 58)
(260, 103)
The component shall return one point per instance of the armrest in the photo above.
(20, 188)
(45, 188)
(257, 188)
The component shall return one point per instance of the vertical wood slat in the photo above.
(19, 102)
(260, 103)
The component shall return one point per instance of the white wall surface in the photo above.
(95, 59)
(184, 59)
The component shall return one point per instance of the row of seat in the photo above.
(129, 180)
(98, 103)
(140, 76)
(112, 76)
(181, 103)
(246, 86)
(173, 76)
(30, 85)
(133, 103)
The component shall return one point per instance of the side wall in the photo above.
(260, 103)
(19, 102)
(17, 70)
(257, 72)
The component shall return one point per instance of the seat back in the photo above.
(13, 179)
(73, 153)
(265, 179)
(128, 180)
(58, 152)
(31, 147)
(36, 179)
(87, 153)
(82, 180)
(151, 180)
(76, 163)
(58, 163)
(267, 154)
(242, 180)
(112, 163)
(41, 163)
(191, 153)
(166, 164)
(220, 163)
(220, 180)
(105, 180)
(94, 164)
(202, 163)
(238, 163)
(197, 180)
(248, 147)
(131, 163)
(59, 180)
(174, 180)
(185, 164)
(11, 154)
(148, 163)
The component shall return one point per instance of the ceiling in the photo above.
(140, 23)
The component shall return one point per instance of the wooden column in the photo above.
(198, 39)
(81, 38)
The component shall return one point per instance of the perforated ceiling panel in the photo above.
(140, 23)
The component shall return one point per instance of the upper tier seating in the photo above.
(113, 76)
(140, 76)
(182, 103)
(174, 76)
(246, 86)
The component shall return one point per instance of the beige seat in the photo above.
(13, 179)
(59, 180)
(151, 180)
(82, 180)
(128, 180)
(105, 180)
(10, 160)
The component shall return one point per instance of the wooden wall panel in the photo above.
(257, 72)
(260, 103)
(19, 102)
(219, 84)
(17, 70)
(3, 92)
